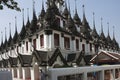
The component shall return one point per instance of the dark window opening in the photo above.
(41, 40)
(56, 40)
(67, 42)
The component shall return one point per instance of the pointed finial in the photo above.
(23, 16)
(34, 14)
(15, 23)
(108, 28)
(75, 7)
(65, 3)
(101, 25)
(33, 5)
(5, 34)
(93, 19)
(42, 4)
(28, 13)
(10, 27)
(69, 5)
(83, 11)
(1, 37)
(84, 18)
(113, 32)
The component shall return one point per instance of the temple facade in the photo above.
(55, 39)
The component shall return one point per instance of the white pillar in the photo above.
(85, 76)
(12, 70)
(113, 72)
(102, 75)
(46, 39)
(51, 44)
(62, 43)
(24, 74)
(32, 73)
(73, 46)
(18, 73)
(35, 72)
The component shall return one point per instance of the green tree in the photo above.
(12, 4)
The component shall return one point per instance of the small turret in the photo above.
(23, 30)
(42, 14)
(94, 32)
(10, 41)
(34, 26)
(65, 12)
(108, 38)
(76, 18)
(102, 36)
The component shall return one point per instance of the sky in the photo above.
(109, 10)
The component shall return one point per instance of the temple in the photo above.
(56, 39)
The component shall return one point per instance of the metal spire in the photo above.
(101, 25)
(113, 32)
(5, 35)
(23, 16)
(1, 37)
(75, 7)
(93, 20)
(108, 28)
(69, 6)
(84, 18)
(10, 28)
(28, 13)
(42, 5)
(84, 12)
(33, 8)
(15, 23)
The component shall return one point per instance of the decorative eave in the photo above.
(54, 57)
(41, 57)
(25, 60)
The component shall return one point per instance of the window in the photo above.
(34, 43)
(77, 44)
(41, 40)
(83, 47)
(96, 48)
(90, 47)
(58, 21)
(66, 42)
(63, 23)
(26, 46)
(17, 48)
(56, 40)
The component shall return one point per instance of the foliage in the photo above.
(12, 4)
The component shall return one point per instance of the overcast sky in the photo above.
(109, 10)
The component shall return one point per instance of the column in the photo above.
(102, 75)
(18, 73)
(113, 73)
(24, 75)
(72, 44)
(35, 73)
(62, 41)
(46, 41)
(12, 70)
(51, 44)
(32, 73)
(85, 76)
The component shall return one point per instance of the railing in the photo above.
(103, 72)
